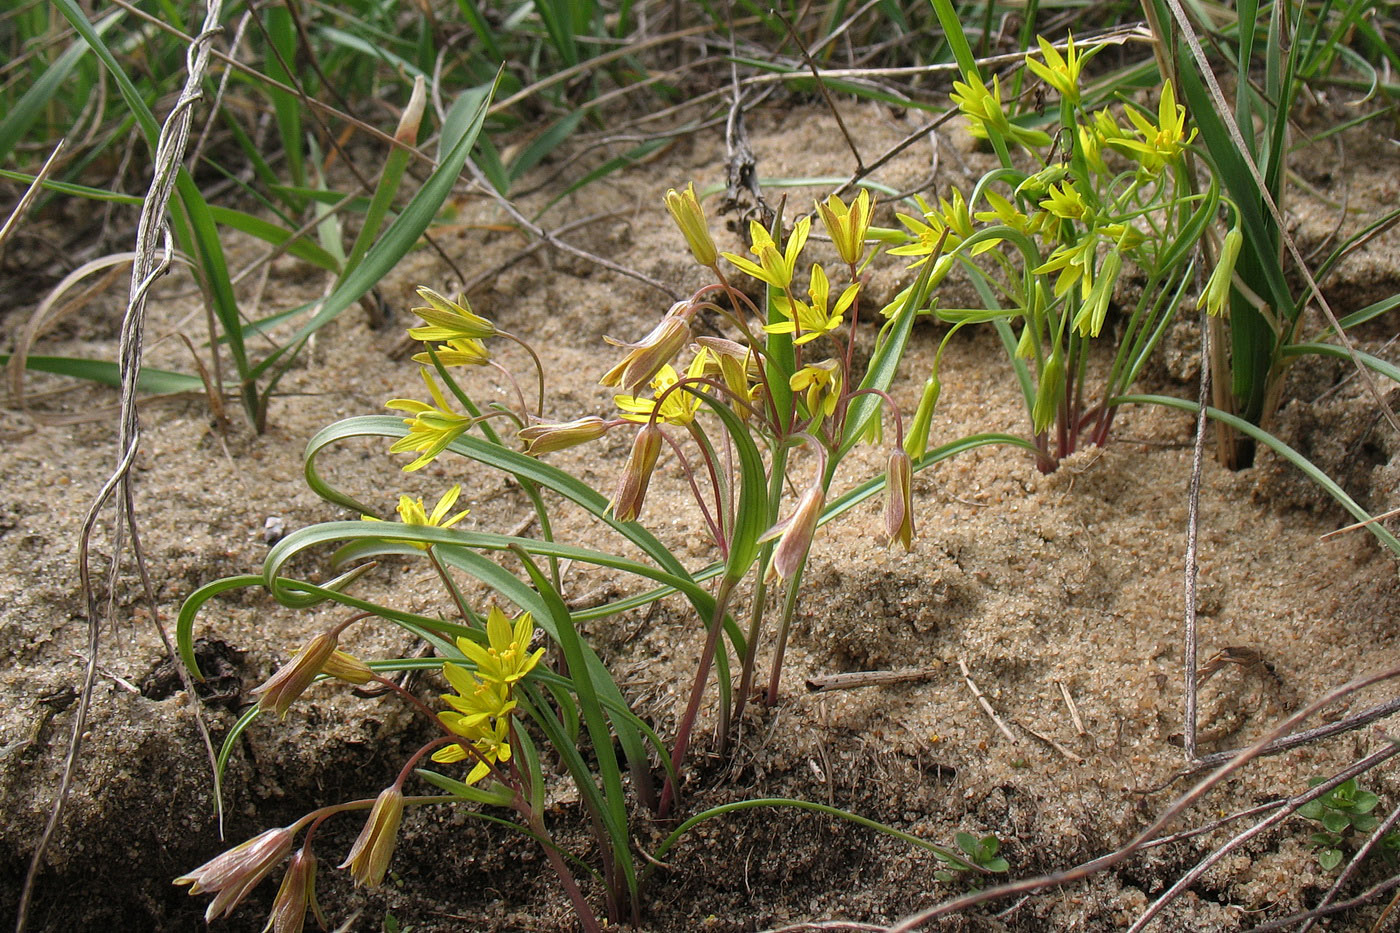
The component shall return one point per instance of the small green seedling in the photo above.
(980, 852)
(1344, 808)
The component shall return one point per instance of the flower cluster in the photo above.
(1107, 190)
(482, 703)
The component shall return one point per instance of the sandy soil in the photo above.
(1044, 587)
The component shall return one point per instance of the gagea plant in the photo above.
(1052, 238)
(755, 423)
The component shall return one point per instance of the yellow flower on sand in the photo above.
(413, 512)
(847, 225)
(811, 321)
(507, 658)
(449, 320)
(775, 267)
(431, 428)
(1060, 71)
(482, 705)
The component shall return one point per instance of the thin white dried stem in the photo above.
(1193, 569)
(153, 251)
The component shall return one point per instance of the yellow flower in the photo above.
(813, 320)
(678, 407)
(956, 216)
(690, 217)
(431, 428)
(928, 233)
(1060, 71)
(490, 742)
(985, 114)
(507, 658)
(774, 266)
(413, 512)
(462, 351)
(1003, 212)
(475, 701)
(1090, 317)
(1163, 142)
(1065, 201)
(449, 320)
(822, 383)
(847, 225)
(1074, 262)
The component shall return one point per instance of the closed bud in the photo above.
(646, 357)
(368, 860)
(342, 665)
(298, 892)
(232, 874)
(291, 680)
(626, 505)
(916, 441)
(899, 499)
(690, 217)
(1216, 295)
(796, 532)
(1049, 393)
(546, 437)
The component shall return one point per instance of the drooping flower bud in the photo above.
(795, 532)
(283, 688)
(899, 511)
(232, 874)
(626, 505)
(646, 357)
(298, 892)
(546, 437)
(369, 856)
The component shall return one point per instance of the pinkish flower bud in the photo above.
(899, 513)
(648, 355)
(232, 874)
(626, 504)
(369, 856)
(291, 680)
(796, 532)
(298, 892)
(546, 437)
